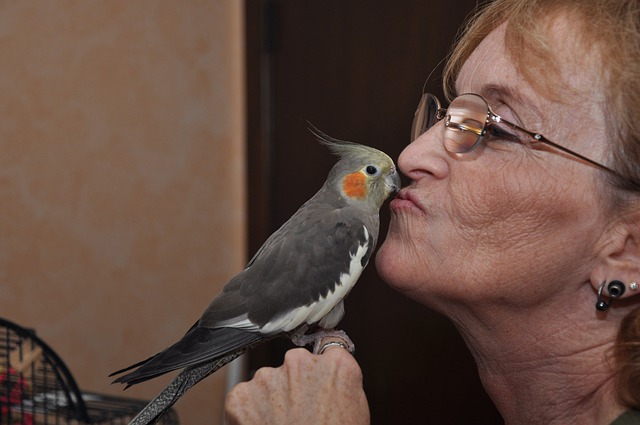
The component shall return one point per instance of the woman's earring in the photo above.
(615, 289)
(633, 286)
(601, 305)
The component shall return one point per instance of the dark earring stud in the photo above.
(615, 289)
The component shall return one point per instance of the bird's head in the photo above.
(363, 176)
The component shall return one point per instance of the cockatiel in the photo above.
(297, 281)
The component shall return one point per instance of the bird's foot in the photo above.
(323, 339)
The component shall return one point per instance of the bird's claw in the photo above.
(336, 338)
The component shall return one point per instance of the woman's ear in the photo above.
(619, 257)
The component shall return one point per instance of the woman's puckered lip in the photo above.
(406, 199)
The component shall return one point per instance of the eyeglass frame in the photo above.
(440, 114)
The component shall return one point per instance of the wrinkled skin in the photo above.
(306, 389)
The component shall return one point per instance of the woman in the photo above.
(529, 240)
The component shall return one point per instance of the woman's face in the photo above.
(507, 223)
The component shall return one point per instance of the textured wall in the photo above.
(121, 177)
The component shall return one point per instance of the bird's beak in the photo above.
(393, 181)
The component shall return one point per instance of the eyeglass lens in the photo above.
(465, 123)
(465, 120)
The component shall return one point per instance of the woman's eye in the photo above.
(502, 132)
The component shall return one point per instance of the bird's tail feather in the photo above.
(196, 347)
(157, 407)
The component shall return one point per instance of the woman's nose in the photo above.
(425, 156)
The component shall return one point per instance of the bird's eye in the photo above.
(372, 170)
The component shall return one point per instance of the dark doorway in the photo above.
(355, 69)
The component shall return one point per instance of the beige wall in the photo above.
(121, 178)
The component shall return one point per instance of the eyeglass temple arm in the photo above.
(540, 138)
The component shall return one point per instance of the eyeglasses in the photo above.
(469, 118)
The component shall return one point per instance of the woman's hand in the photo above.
(306, 389)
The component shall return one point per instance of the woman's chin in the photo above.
(391, 266)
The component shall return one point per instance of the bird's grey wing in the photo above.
(299, 265)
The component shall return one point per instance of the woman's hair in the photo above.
(608, 31)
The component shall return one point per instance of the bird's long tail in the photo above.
(157, 407)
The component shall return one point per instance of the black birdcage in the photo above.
(36, 387)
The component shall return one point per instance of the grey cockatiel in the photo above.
(295, 282)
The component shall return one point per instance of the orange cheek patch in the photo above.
(353, 185)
